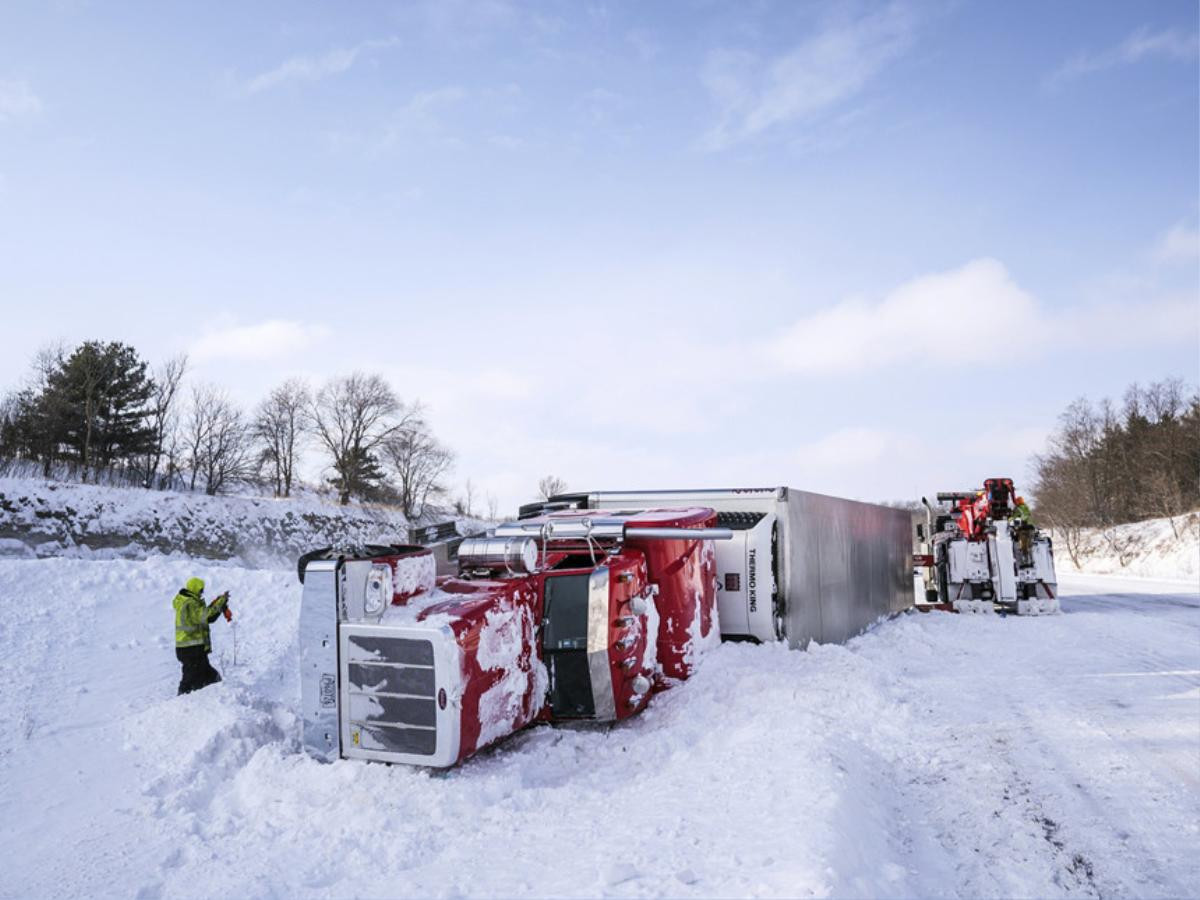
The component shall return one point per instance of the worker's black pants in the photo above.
(197, 670)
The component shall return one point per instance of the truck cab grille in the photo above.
(389, 695)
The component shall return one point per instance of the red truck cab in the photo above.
(567, 616)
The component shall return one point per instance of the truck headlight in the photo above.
(378, 590)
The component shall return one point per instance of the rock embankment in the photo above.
(45, 518)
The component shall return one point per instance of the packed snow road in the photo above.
(939, 755)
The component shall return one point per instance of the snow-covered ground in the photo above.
(1157, 548)
(938, 755)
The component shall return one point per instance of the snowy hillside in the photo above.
(939, 755)
(41, 518)
(1158, 548)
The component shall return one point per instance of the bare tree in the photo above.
(551, 485)
(1168, 474)
(279, 426)
(163, 419)
(174, 456)
(1105, 466)
(353, 418)
(194, 433)
(12, 437)
(217, 439)
(418, 462)
(493, 508)
(468, 499)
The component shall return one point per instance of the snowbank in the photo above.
(41, 518)
(1157, 548)
(938, 755)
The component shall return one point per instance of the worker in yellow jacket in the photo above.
(193, 642)
(1022, 520)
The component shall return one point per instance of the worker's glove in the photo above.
(227, 613)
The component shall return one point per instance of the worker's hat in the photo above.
(195, 585)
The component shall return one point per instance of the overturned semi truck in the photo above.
(579, 610)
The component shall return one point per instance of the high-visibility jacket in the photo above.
(192, 616)
(1021, 514)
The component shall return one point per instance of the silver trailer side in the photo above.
(836, 566)
(848, 564)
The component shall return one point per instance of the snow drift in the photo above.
(1157, 548)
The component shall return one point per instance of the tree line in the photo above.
(1108, 463)
(99, 410)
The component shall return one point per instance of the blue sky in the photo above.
(865, 249)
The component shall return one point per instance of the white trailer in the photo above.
(800, 567)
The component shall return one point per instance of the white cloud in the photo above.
(266, 340)
(976, 305)
(315, 68)
(1179, 245)
(17, 99)
(829, 68)
(913, 321)
(1138, 324)
(420, 119)
(870, 463)
(1019, 442)
(1169, 44)
(856, 446)
(419, 122)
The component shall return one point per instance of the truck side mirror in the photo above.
(920, 532)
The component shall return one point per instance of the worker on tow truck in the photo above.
(1022, 520)
(193, 642)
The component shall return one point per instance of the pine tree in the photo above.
(95, 406)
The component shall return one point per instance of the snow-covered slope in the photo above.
(45, 518)
(939, 755)
(1157, 548)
